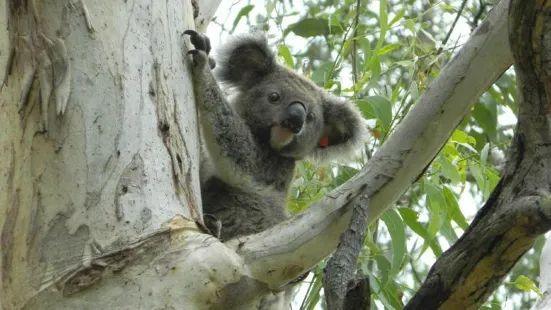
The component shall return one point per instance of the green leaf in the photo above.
(383, 15)
(410, 24)
(449, 170)
(437, 212)
(365, 46)
(243, 12)
(387, 295)
(397, 232)
(284, 52)
(478, 175)
(384, 267)
(382, 109)
(448, 232)
(526, 284)
(388, 48)
(450, 150)
(319, 75)
(462, 137)
(453, 208)
(313, 294)
(375, 66)
(492, 178)
(435, 196)
(333, 82)
(468, 147)
(311, 27)
(429, 36)
(414, 90)
(486, 119)
(484, 154)
(410, 217)
(486, 178)
(366, 108)
(396, 18)
(270, 6)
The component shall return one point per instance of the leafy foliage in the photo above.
(382, 55)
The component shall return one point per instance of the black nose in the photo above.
(294, 117)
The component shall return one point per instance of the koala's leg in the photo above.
(228, 140)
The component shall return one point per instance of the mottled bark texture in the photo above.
(338, 276)
(519, 209)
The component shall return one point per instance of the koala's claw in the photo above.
(201, 43)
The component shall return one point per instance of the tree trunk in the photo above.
(96, 104)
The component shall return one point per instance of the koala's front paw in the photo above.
(201, 51)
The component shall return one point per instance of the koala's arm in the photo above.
(227, 138)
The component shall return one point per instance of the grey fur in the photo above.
(247, 173)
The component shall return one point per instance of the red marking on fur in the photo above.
(324, 141)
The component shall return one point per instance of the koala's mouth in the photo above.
(280, 137)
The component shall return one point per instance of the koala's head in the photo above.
(284, 109)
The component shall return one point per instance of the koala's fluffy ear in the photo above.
(344, 130)
(245, 60)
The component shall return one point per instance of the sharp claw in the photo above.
(207, 44)
(199, 41)
(190, 32)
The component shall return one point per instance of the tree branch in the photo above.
(313, 234)
(207, 9)
(291, 248)
(339, 271)
(519, 209)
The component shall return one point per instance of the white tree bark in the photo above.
(98, 146)
(207, 8)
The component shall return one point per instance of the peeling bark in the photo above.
(84, 168)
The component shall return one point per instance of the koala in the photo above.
(253, 139)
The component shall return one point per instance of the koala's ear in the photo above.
(344, 130)
(245, 60)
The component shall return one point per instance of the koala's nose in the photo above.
(294, 117)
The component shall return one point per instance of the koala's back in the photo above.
(242, 211)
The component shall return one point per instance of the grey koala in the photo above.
(252, 141)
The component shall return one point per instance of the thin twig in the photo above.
(355, 47)
(452, 27)
(448, 35)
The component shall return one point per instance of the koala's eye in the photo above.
(273, 97)
(310, 116)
